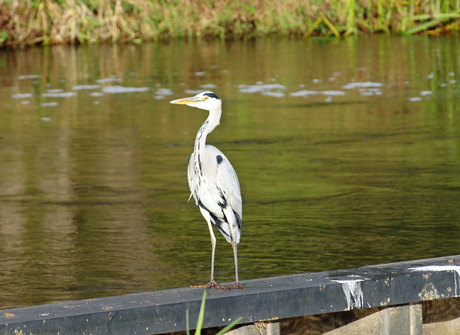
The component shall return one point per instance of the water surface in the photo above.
(348, 153)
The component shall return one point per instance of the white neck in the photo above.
(214, 120)
(208, 126)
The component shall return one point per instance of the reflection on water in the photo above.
(348, 153)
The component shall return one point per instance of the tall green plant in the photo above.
(351, 19)
(199, 324)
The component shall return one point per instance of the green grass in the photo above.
(201, 318)
(28, 22)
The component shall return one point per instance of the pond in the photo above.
(347, 152)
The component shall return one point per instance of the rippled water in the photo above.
(348, 153)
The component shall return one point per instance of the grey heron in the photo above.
(213, 182)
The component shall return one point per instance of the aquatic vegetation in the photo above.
(29, 22)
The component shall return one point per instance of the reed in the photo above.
(28, 22)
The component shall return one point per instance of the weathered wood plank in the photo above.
(264, 299)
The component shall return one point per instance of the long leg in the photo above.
(212, 282)
(235, 255)
(234, 245)
(237, 281)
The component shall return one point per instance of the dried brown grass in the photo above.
(27, 22)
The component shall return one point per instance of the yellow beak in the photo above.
(186, 101)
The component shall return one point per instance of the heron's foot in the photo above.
(211, 284)
(231, 287)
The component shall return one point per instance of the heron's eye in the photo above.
(206, 98)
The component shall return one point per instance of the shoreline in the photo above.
(32, 22)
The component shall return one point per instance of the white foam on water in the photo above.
(45, 119)
(304, 93)
(30, 76)
(55, 90)
(370, 91)
(200, 73)
(274, 94)
(59, 95)
(123, 89)
(261, 88)
(250, 88)
(415, 99)
(49, 104)
(208, 86)
(274, 87)
(423, 93)
(96, 94)
(22, 96)
(108, 80)
(366, 84)
(193, 91)
(85, 87)
(333, 93)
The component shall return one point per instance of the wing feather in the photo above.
(227, 181)
(191, 175)
(215, 188)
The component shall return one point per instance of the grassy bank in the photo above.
(28, 22)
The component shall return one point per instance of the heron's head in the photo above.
(205, 100)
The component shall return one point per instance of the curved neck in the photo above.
(208, 126)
